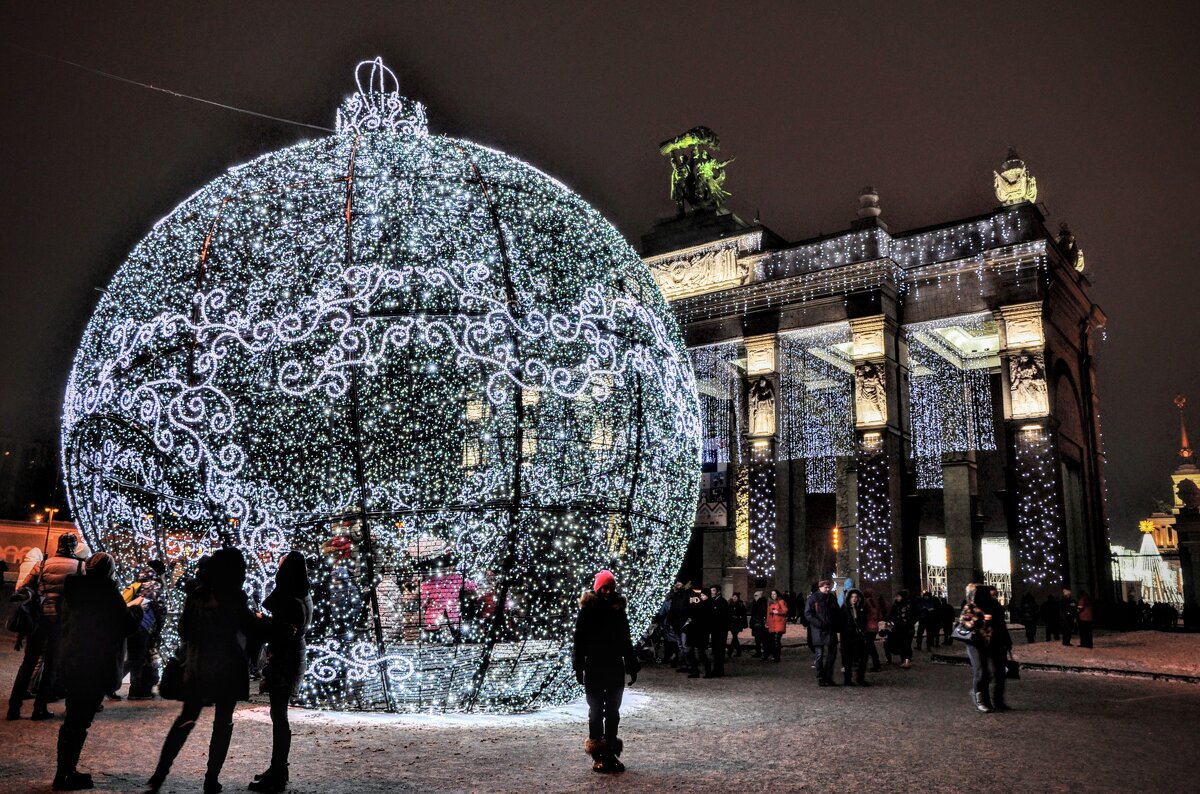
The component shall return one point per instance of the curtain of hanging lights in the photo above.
(431, 368)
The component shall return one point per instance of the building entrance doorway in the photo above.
(933, 564)
(997, 567)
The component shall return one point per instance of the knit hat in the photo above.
(825, 583)
(603, 578)
(67, 542)
(100, 564)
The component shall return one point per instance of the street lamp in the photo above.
(50, 511)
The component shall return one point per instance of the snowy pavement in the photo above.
(766, 727)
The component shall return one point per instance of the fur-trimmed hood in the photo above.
(591, 600)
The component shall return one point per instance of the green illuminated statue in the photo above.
(697, 178)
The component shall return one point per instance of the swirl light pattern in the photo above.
(433, 369)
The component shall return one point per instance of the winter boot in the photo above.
(598, 750)
(846, 680)
(981, 704)
(998, 704)
(612, 763)
(862, 681)
(275, 779)
(176, 737)
(72, 781)
(218, 748)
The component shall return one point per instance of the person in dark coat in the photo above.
(1028, 613)
(854, 637)
(927, 620)
(902, 619)
(758, 624)
(720, 618)
(602, 656)
(95, 623)
(739, 618)
(1067, 612)
(676, 617)
(214, 628)
(291, 609)
(984, 615)
(47, 581)
(824, 618)
(696, 633)
(1050, 618)
(947, 614)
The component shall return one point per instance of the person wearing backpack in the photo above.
(25, 615)
(48, 580)
(141, 644)
(95, 622)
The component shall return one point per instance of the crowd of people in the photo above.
(697, 629)
(81, 634)
(1063, 618)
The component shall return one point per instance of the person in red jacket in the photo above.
(1084, 615)
(776, 625)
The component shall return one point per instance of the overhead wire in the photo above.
(160, 89)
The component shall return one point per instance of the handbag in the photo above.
(1012, 669)
(962, 633)
(170, 686)
(26, 614)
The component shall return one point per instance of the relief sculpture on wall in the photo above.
(870, 395)
(1027, 385)
(762, 407)
(707, 272)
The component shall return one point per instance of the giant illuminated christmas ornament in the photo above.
(431, 368)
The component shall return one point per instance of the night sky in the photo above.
(920, 100)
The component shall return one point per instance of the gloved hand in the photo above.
(579, 677)
(632, 679)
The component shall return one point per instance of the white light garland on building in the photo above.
(949, 389)
(816, 385)
(875, 553)
(762, 512)
(719, 386)
(433, 369)
(1040, 546)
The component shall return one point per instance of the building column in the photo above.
(877, 534)
(1187, 531)
(762, 390)
(1037, 538)
(959, 489)
(796, 526)
(846, 518)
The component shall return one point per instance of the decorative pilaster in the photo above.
(1038, 540)
(762, 389)
(876, 419)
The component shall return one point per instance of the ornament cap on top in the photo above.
(377, 106)
(1013, 183)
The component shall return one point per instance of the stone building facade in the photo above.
(900, 409)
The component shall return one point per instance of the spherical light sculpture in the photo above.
(431, 368)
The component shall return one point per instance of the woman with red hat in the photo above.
(603, 655)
